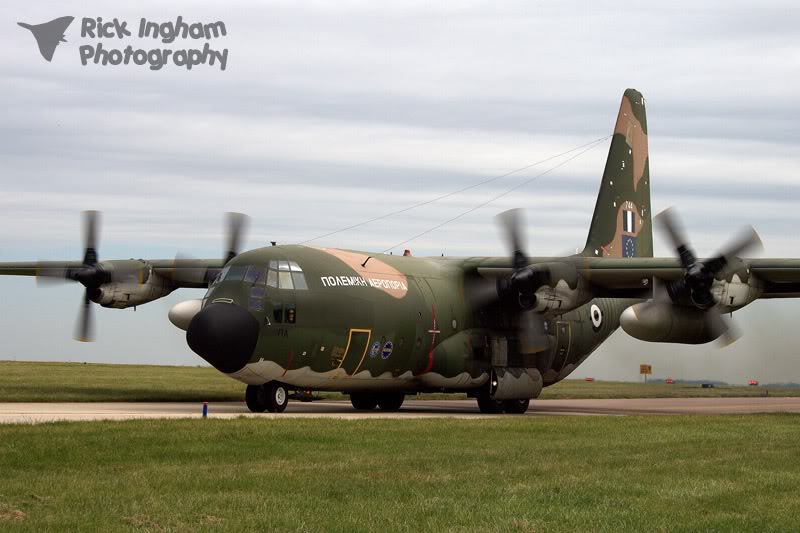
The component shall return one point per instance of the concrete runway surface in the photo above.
(11, 413)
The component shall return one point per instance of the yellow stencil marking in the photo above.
(347, 348)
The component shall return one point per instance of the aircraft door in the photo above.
(355, 351)
(426, 329)
(563, 344)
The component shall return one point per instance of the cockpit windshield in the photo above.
(280, 275)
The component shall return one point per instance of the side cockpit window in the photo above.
(286, 275)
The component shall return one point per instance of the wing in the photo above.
(781, 276)
(178, 273)
(618, 277)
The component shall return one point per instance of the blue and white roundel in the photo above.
(387, 350)
(375, 349)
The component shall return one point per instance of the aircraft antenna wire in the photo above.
(591, 144)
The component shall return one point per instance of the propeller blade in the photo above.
(237, 223)
(671, 226)
(511, 222)
(48, 275)
(746, 240)
(91, 221)
(189, 270)
(480, 292)
(725, 331)
(84, 328)
(531, 333)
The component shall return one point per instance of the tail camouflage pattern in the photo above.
(622, 221)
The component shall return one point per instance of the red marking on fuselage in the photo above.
(289, 362)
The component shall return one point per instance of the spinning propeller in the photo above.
(190, 270)
(517, 292)
(694, 288)
(91, 274)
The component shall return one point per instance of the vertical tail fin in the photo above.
(622, 222)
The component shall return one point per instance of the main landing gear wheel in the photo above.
(363, 401)
(489, 406)
(254, 398)
(516, 407)
(391, 402)
(272, 397)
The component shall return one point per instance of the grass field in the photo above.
(76, 382)
(720, 473)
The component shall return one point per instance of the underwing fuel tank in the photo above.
(657, 322)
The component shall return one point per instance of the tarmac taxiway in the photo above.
(468, 409)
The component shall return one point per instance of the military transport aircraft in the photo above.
(379, 327)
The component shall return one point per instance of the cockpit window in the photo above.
(221, 275)
(299, 281)
(285, 280)
(256, 275)
(286, 275)
(280, 275)
(236, 273)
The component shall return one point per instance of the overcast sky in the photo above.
(331, 113)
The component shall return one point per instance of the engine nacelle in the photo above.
(742, 289)
(554, 286)
(663, 322)
(124, 294)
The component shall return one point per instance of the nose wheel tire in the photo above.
(272, 397)
(254, 398)
(516, 407)
(391, 402)
(363, 401)
(277, 397)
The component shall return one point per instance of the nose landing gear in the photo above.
(272, 397)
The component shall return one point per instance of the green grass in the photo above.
(77, 382)
(720, 473)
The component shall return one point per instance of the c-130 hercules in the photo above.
(379, 327)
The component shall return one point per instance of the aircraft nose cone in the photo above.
(225, 335)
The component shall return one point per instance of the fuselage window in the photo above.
(290, 314)
(256, 303)
(277, 313)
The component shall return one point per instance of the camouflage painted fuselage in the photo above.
(392, 322)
